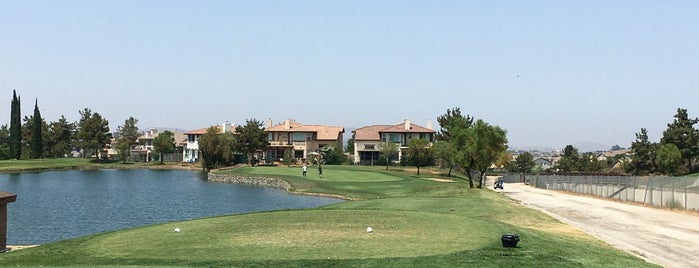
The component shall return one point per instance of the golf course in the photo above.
(430, 220)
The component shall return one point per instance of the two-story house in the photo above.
(302, 139)
(190, 152)
(367, 139)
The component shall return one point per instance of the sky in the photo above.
(550, 73)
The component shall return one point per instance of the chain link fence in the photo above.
(671, 192)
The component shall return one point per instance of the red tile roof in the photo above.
(323, 132)
(373, 133)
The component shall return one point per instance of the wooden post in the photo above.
(5, 198)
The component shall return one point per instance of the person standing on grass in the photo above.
(304, 169)
(320, 170)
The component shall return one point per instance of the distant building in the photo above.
(301, 139)
(190, 152)
(367, 139)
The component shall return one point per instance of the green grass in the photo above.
(417, 222)
(30, 165)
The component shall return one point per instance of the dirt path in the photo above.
(662, 237)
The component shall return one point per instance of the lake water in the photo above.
(58, 205)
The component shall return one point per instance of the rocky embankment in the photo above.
(257, 181)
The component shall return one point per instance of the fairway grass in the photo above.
(416, 222)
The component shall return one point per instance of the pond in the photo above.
(58, 205)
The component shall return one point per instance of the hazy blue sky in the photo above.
(549, 72)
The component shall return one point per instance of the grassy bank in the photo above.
(418, 221)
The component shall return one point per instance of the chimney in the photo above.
(225, 127)
(287, 124)
(406, 122)
(269, 122)
(429, 123)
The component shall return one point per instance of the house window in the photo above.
(394, 137)
(270, 136)
(298, 154)
(369, 146)
(299, 136)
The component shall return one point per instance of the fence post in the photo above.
(685, 193)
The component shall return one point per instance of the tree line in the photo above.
(33, 138)
(675, 154)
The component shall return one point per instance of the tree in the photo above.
(59, 138)
(388, 150)
(524, 162)
(4, 143)
(15, 127)
(452, 123)
(93, 131)
(250, 138)
(350, 144)
(444, 152)
(668, 159)
(569, 160)
(164, 143)
(480, 146)
(216, 148)
(37, 141)
(127, 135)
(642, 154)
(418, 153)
(332, 154)
(29, 129)
(681, 133)
(208, 148)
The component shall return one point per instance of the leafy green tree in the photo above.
(127, 136)
(388, 150)
(15, 127)
(418, 153)
(569, 160)
(332, 154)
(209, 144)
(669, 159)
(483, 146)
(453, 123)
(37, 141)
(642, 155)
(444, 152)
(4, 143)
(60, 137)
(681, 133)
(288, 157)
(524, 162)
(350, 144)
(164, 143)
(28, 131)
(250, 139)
(93, 131)
(216, 148)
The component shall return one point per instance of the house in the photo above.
(543, 163)
(143, 151)
(302, 139)
(367, 139)
(190, 152)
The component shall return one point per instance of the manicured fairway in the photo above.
(417, 222)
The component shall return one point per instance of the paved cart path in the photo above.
(667, 238)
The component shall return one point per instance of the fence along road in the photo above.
(659, 236)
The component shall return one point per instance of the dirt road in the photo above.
(662, 237)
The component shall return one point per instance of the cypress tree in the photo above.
(37, 142)
(15, 127)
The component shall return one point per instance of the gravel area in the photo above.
(663, 237)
